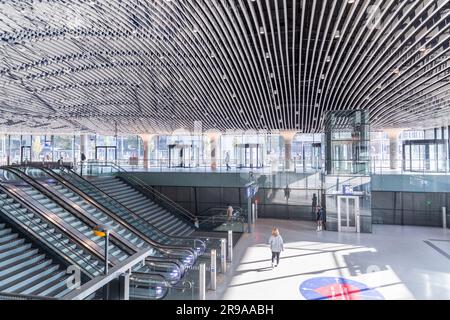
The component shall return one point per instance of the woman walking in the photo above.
(276, 246)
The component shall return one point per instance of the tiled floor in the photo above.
(393, 262)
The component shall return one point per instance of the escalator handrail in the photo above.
(81, 244)
(133, 213)
(93, 202)
(97, 253)
(57, 200)
(19, 296)
(169, 259)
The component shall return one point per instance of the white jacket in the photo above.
(276, 243)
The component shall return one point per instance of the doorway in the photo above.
(25, 154)
(348, 213)
(249, 155)
(106, 154)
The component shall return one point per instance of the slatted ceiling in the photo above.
(154, 65)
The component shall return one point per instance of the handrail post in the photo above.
(444, 217)
(230, 246)
(202, 282)
(213, 270)
(223, 255)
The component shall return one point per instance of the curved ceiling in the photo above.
(140, 66)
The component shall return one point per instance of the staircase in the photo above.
(26, 270)
(143, 206)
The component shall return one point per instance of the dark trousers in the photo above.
(276, 255)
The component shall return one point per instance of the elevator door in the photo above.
(348, 213)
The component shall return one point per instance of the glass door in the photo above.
(348, 213)
(25, 154)
(106, 154)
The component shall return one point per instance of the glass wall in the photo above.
(247, 150)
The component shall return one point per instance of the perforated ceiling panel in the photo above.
(152, 65)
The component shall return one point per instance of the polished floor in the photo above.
(394, 262)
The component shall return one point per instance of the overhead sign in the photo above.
(336, 288)
(348, 189)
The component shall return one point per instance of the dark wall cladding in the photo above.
(409, 208)
(272, 202)
(400, 208)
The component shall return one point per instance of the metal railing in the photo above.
(215, 218)
(99, 282)
(162, 165)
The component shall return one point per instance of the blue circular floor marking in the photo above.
(336, 288)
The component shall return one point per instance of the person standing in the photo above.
(314, 204)
(83, 159)
(319, 218)
(229, 213)
(276, 246)
(324, 219)
(227, 160)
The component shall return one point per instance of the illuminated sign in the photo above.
(348, 189)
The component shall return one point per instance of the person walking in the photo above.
(227, 160)
(319, 218)
(276, 246)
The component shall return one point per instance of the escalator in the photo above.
(69, 182)
(37, 211)
(95, 212)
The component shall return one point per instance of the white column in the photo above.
(147, 143)
(393, 147)
(288, 137)
(84, 142)
(213, 137)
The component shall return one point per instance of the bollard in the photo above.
(223, 255)
(444, 217)
(213, 270)
(230, 246)
(202, 282)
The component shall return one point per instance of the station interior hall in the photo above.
(224, 150)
